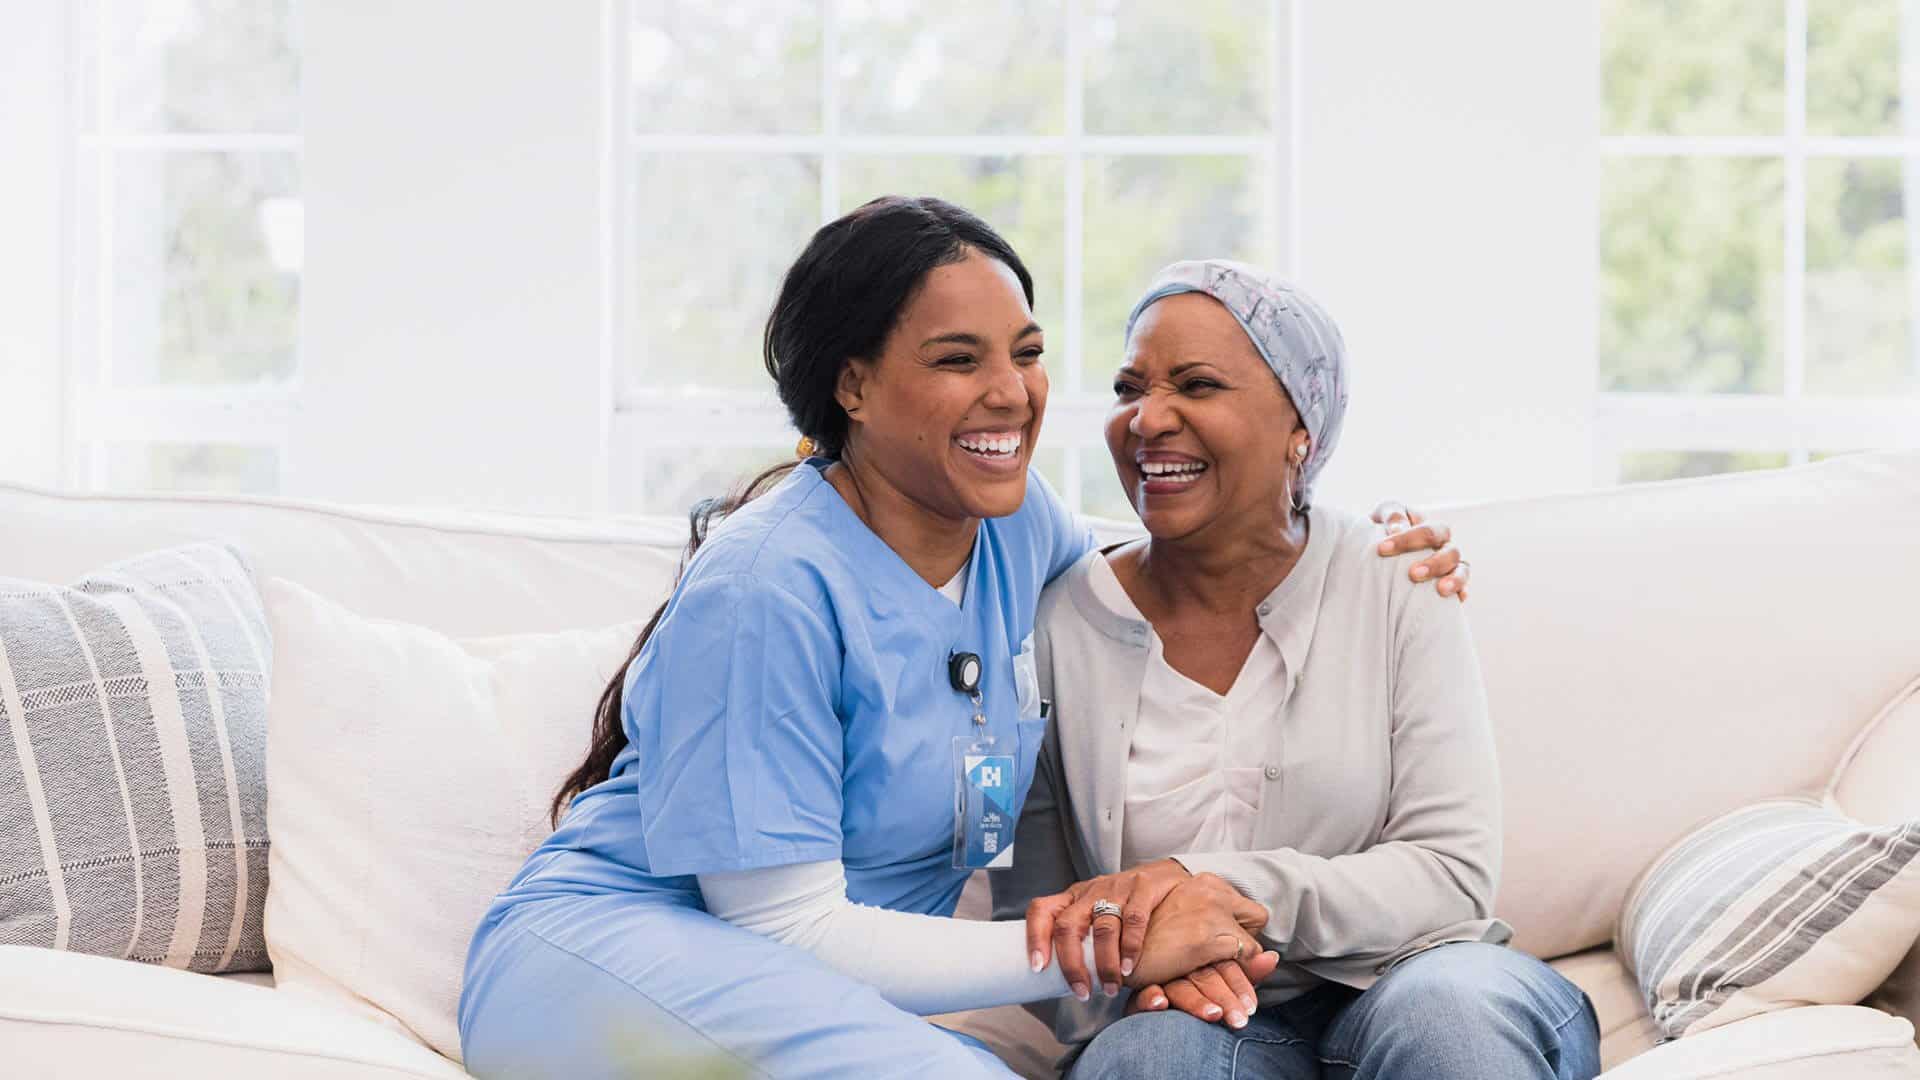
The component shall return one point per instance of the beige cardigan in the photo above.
(1378, 832)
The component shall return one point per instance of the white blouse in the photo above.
(1194, 777)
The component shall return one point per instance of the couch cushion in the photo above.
(133, 712)
(1626, 1031)
(460, 572)
(1814, 1042)
(1778, 904)
(1876, 783)
(411, 777)
(64, 1014)
(1659, 654)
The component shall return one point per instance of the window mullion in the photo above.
(1074, 240)
(829, 111)
(1795, 246)
(1910, 168)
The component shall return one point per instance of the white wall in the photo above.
(451, 335)
(32, 210)
(1447, 195)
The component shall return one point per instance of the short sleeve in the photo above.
(1064, 535)
(731, 712)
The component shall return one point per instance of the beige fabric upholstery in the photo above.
(1642, 679)
(69, 1015)
(466, 574)
(1875, 783)
(1626, 1030)
(1815, 1042)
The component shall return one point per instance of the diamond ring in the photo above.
(1105, 907)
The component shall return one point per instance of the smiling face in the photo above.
(948, 412)
(1201, 431)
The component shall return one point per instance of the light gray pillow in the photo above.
(1786, 902)
(133, 709)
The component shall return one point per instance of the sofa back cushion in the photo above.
(1657, 655)
(460, 572)
(1875, 782)
(1654, 655)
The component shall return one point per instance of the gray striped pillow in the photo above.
(1786, 902)
(133, 711)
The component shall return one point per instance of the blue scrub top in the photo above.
(794, 705)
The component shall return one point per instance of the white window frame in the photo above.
(1791, 421)
(652, 419)
(103, 412)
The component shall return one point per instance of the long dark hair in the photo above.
(839, 301)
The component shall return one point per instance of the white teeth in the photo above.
(1171, 468)
(999, 445)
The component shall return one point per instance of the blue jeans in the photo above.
(1458, 1012)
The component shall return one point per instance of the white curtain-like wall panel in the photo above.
(452, 341)
(1447, 200)
(33, 187)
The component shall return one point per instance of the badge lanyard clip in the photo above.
(983, 818)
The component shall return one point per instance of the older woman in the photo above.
(1251, 693)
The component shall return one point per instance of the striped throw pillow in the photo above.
(133, 711)
(1786, 902)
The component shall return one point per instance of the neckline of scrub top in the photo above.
(886, 555)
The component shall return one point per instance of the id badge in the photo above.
(983, 805)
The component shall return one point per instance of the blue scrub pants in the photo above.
(1458, 1012)
(638, 985)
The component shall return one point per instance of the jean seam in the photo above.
(1233, 1063)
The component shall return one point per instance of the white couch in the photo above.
(1654, 655)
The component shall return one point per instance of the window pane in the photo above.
(656, 480)
(726, 66)
(253, 470)
(1052, 463)
(713, 234)
(206, 286)
(1203, 67)
(1648, 465)
(1101, 484)
(1693, 67)
(1144, 212)
(1690, 256)
(1859, 293)
(950, 69)
(203, 65)
(1023, 198)
(1853, 67)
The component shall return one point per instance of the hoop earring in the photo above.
(1293, 491)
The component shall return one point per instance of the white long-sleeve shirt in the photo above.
(924, 964)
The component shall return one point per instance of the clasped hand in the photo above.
(1180, 938)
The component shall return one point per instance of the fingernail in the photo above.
(1112, 989)
(1212, 1012)
(1236, 1020)
(1038, 962)
(1419, 573)
(1250, 1002)
(1126, 968)
(1386, 547)
(1157, 1003)
(1080, 991)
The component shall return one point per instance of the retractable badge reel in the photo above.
(983, 781)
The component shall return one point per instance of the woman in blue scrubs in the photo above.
(798, 705)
